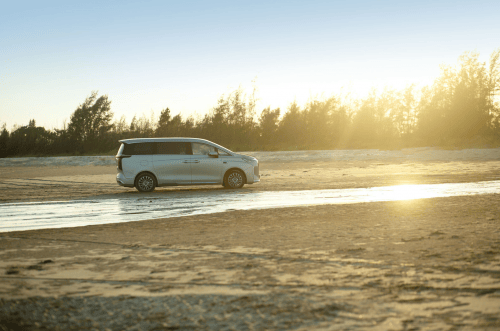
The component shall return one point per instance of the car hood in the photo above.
(246, 157)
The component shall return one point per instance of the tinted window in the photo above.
(173, 148)
(139, 149)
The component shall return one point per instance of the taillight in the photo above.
(119, 164)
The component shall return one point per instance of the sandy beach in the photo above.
(428, 264)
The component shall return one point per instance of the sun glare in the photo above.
(406, 192)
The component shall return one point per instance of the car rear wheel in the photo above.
(234, 179)
(145, 182)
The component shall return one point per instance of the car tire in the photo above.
(145, 182)
(234, 179)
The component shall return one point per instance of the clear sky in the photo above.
(149, 55)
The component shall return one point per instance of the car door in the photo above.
(172, 163)
(205, 169)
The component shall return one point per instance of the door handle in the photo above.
(195, 161)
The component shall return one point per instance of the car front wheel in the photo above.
(145, 183)
(234, 179)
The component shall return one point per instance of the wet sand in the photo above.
(76, 182)
(403, 265)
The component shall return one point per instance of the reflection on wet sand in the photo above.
(426, 264)
(39, 215)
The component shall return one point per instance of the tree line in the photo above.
(461, 107)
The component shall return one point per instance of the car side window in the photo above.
(174, 148)
(139, 149)
(202, 149)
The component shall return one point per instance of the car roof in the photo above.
(144, 140)
(173, 139)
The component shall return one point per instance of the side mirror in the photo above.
(213, 154)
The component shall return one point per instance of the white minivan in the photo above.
(145, 163)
